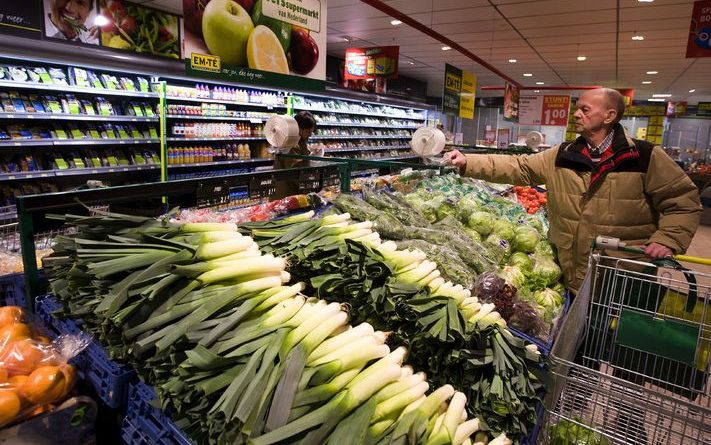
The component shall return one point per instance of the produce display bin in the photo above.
(109, 379)
(148, 424)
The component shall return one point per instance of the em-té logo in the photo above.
(453, 82)
(205, 62)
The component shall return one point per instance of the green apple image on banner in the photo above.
(226, 27)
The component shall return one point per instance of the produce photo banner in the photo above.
(372, 63)
(699, 43)
(459, 92)
(23, 19)
(549, 110)
(511, 97)
(278, 43)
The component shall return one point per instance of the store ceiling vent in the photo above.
(534, 139)
(427, 142)
(282, 133)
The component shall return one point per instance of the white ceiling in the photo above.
(544, 36)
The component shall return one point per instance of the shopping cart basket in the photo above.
(631, 364)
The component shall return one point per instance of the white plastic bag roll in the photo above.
(427, 142)
(282, 132)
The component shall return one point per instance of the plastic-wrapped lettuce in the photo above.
(505, 229)
(473, 253)
(548, 297)
(445, 208)
(405, 214)
(448, 261)
(546, 271)
(525, 318)
(544, 250)
(522, 261)
(500, 247)
(482, 222)
(526, 239)
(423, 206)
(466, 206)
(513, 275)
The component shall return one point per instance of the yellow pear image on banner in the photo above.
(264, 51)
(226, 27)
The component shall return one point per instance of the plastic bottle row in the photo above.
(226, 93)
(197, 154)
(216, 129)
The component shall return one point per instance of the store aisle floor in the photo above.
(701, 247)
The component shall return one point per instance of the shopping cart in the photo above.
(631, 364)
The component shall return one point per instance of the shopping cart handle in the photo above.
(610, 243)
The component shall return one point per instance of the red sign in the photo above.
(699, 44)
(555, 110)
(372, 63)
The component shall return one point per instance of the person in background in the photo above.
(602, 183)
(307, 126)
(66, 20)
(448, 136)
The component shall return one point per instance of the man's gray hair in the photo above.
(615, 100)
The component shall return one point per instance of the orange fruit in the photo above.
(10, 315)
(23, 356)
(46, 384)
(17, 381)
(3, 375)
(14, 331)
(9, 406)
(70, 376)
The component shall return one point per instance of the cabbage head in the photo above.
(513, 276)
(527, 239)
(466, 206)
(505, 230)
(482, 222)
(473, 234)
(546, 271)
(548, 298)
(544, 250)
(522, 261)
(444, 209)
(499, 247)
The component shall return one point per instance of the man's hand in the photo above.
(455, 158)
(656, 250)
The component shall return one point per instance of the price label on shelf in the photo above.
(262, 187)
(212, 194)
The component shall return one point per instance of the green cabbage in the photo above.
(526, 239)
(499, 247)
(466, 206)
(445, 209)
(482, 222)
(513, 276)
(546, 271)
(522, 261)
(548, 298)
(505, 230)
(544, 250)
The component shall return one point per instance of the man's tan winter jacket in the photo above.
(641, 200)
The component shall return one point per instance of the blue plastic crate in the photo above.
(150, 420)
(132, 435)
(533, 435)
(12, 290)
(544, 347)
(109, 379)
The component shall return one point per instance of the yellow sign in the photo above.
(466, 99)
(205, 62)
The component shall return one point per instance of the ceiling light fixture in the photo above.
(637, 37)
(656, 100)
(652, 72)
(101, 20)
(661, 95)
(446, 48)
(527, 74)
(512, 60)
(645, 1)
(395, 22)
(693, 90)
(536, 91)
(540, 83)
(581, 58)
(346, 38)
(411, 63)
(646, 82)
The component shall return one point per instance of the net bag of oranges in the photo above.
(35, 374)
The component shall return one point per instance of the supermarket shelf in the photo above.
(69, 142)
(73, 89)
(42, 174)
(76, 117)
(254, 120)
(397, 158)
(361, 113)
(220, 101)
(348, 124)
(264, 161)
(226, 138)
(394, 147)
(358, 136)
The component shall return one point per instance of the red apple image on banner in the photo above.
(304, 51)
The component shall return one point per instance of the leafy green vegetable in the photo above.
(482, 222)
(499, 246)
(566, 432)
(505, 230)
(544, 250)
(547, 271)
(526, 239)
(522, 261)
(513, 276)
(445, 208)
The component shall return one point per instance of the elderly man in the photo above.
(603, 183)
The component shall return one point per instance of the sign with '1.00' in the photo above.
(551, 110)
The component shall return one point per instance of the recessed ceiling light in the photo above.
(581, 58)
(411, 63)
(692, 90)
(446, 48)
(540, 83)
(536, 91)
(661, 95)
(637, 37)
(652, 72)
(646, 82)
(346, 38)
(101, 20)
(527, 75)
(656, 100)
(645, 1)
(395, 22)
(512, 60)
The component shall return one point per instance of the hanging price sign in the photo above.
(550, 110)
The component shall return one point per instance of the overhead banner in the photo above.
(372, 63)
(278, 43)
(511, 98)
(459, 92)
(699, 43)
(703, 109)
(676, 108)
(546, 109)
(628, 94)
(21, 18)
